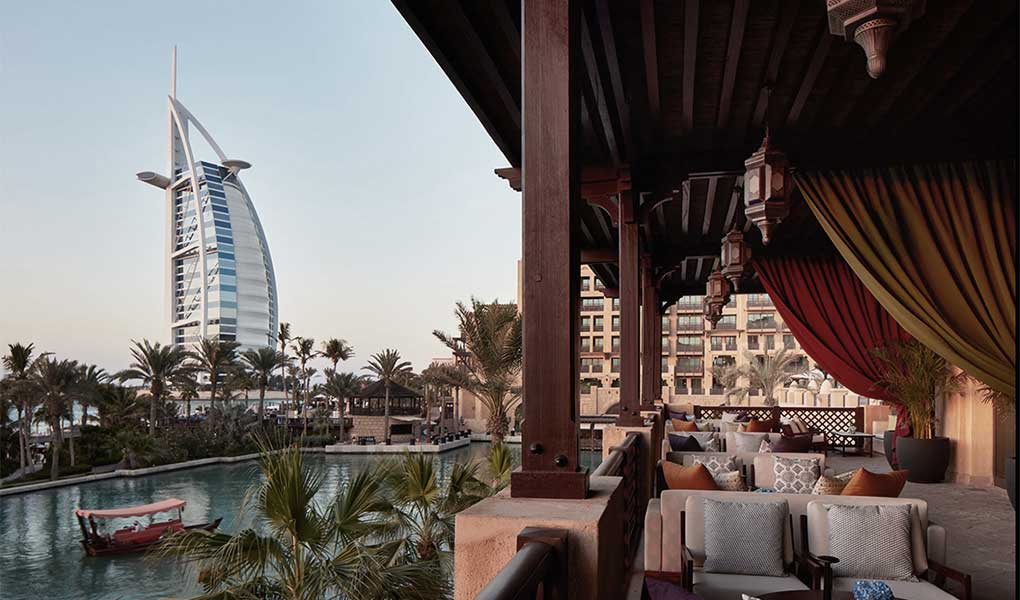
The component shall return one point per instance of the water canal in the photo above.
(41, 556)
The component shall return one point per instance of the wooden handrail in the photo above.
(538, 570)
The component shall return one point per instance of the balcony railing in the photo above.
(690, 348)
(626, 461)
(538, 570)
(761, 324)
(726, 325)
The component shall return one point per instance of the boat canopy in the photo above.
(133, 511)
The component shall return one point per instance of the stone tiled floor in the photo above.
(980, 524)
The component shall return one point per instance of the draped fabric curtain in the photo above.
(936, 245)
(834, 317)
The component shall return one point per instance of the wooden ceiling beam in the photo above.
(508, 145)
(595, 180)
(807, 83)
(505, 22)
(736, 40)
(691, 9)
(611, 61)
(598, 95)
(706, 225)
(651, 59)
(787, 18)
(476, 48)
(594, 256)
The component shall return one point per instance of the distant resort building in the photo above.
(220, 281)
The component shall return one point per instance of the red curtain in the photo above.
(834, 317)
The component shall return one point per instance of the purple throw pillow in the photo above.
(792, 443)
(664, 590)
(683, 443)
(682, 415)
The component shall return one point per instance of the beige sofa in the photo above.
(663, 548)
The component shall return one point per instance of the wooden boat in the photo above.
(136, 537)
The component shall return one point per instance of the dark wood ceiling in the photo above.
(674, 88)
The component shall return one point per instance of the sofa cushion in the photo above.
(679, 425)
(799, 426)
(794, 443)
(756, 426)
(914, 590)
(723, 463)
(731, 481)
(766, 446)
(739, 441)
(871, 542)
(817, 512)
(724, 586)
(764, 475)
(713, 445)
(831, 486)
(679, 415)
(795, 475)
(660, 589)
(866, 483)
(679, 442)
(679, 477)
(758, 526)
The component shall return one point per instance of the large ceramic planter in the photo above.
(887, 445)
(1011, 480)
(927, 460)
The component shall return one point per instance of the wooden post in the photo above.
(630, 323)
(551, 260)
(651, 348)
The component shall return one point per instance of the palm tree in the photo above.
(297, 551)
(215, 357)
(90, 380)
(304, 348)
(260, 364)
(336, 350)
(54, 381)
(188, 391)
(727, 376)
(119, 407)
(770, 371)
(18, 363)
(387, 367)
(156, 366)
(283, 336)
(342, 386)
(489, 359)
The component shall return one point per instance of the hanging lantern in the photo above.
(765, 188)
(872, 24)
(736, 257)
(717, 295)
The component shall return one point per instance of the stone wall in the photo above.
(372, 426)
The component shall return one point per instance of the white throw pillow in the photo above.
(795, 475)
(746, 442)
(883, 553)
(729, 417)
(766, 446)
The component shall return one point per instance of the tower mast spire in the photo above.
(173, 73)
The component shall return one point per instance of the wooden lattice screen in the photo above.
(827, 419)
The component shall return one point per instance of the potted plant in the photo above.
(918, 377)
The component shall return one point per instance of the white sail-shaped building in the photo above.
(220, 279)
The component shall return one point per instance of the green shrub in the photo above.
(316, 441)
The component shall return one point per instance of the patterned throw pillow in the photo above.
(796, 475)
(765, 446)
(760, 553)
(885, 554)
(713, 445)
(716, 464)
(732, 481)
(831, 486)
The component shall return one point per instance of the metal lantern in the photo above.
(766, 188)
(872, 24)
(736, 257)
(717, 295)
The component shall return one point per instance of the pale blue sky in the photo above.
(372, 177)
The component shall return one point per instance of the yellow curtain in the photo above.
(936, 245)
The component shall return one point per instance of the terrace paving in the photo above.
(980, 524)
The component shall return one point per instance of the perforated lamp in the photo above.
(736, 258)
(717, 295)
(765, 188)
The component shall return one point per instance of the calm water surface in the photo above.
(40, 554)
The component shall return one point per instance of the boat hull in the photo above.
(115, 548)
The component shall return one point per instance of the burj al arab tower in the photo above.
(220, 282)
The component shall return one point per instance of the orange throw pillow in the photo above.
(756, 426)
(885, 485)
(679, 477)
(681, 425)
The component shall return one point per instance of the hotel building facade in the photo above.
(220, 281)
